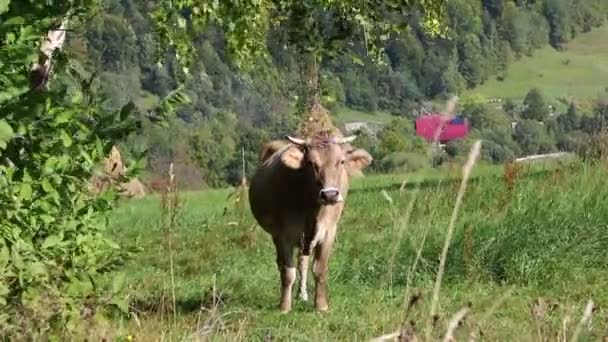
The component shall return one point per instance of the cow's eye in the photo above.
(342, 162)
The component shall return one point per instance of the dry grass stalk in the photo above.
(403, 185)
(170, 206)
(412, 270)
(239, 198)
(387, 337)
(454, 323)
(512, 171)
(565, 322)
(490, 312)
(212, 324)
(468, 167)
(409, 302)
(448, 112)
(403, 227)
(540, 309)
(584, 320)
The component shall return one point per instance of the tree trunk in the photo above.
(315, 117)
(39, 75)
(311, 79)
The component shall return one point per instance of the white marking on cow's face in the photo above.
(330, 173)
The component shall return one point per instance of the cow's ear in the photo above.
(358, 159)
(293, 157)
(271, 148)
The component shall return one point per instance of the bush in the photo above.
(572, 142)
(53, 251)
(403, 162)
(496, 153)
(595, 147)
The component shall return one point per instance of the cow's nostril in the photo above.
(330, 195)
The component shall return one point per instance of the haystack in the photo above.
(113, 165)
(133, 188)
(113, 170)
(317, 120)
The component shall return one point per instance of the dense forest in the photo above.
(231, 111)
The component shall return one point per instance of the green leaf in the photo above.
(4, 8)
(49, 165)
(48, 219)
(5, 256)
(122, 304)
(67, 140)
(118, 282)
(78, 287)
(6, 132)
(47, 186)
(64, 116)
(127, 110)
(25, 192)
(51, 240)
(36, 268)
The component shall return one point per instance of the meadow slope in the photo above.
(544, 237)
(580, 71)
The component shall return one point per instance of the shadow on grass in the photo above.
(158, 304)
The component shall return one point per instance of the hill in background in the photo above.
(579, 71)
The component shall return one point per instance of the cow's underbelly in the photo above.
(288, 226)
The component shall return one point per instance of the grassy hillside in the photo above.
(345, 115)
(580, 71)
(545, 237)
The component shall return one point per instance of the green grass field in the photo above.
(585, 75)
(546, 238)
(344, 114)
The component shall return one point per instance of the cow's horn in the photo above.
(347, 139)
(296, 140)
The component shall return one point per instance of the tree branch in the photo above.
(39, 75)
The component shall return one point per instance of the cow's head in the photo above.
(328, 159)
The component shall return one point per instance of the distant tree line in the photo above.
(231, 110)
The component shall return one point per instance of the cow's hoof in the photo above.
(284, 309)
(323, 309)
(304, 297)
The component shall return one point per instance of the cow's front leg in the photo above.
(303, 270)
(287, 271)
(320, 270)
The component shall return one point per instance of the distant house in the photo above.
(453, 129)
(352, 127)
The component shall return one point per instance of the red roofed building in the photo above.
(454, 128)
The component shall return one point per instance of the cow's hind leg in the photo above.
(303, 270)
(320, 270)
(287, 270)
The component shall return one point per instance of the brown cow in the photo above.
(297, 195)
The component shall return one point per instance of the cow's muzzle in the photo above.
(330, 196)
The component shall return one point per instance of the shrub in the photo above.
(595, 147)
(52, 245)
(403, 162)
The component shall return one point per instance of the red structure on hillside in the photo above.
(453, 128)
